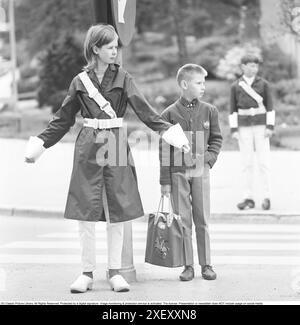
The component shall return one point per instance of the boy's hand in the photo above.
(268, 133)
(186, 148)
(165, 190)
(235, 135)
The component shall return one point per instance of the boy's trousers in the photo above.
(191, 200)
(252, 140)
(115, 237)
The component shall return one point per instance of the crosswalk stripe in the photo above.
(141, 245)
(101, 259)
(258, 228)
(213, 235)
(231, 244)
(224, 227)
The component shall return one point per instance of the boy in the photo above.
(186, 175)
(252, 120)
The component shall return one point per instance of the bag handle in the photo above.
(170, 215)
(160, 205)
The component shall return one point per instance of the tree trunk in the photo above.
(242, 24)
(179, 30)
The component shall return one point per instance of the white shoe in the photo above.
(118, 283)
(82, 284)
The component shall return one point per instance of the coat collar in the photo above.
(108, 75)
(187, 104)
(257, 78)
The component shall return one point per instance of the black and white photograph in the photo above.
(150, 154)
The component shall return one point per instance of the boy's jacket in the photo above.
(200, 122)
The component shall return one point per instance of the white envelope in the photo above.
(175, 136)
(35, 148)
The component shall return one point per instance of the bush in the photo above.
(229, 67)
(217, 94)
(209, 56)
(28, 85)
(61, 62)
(27, 72)
(277, 65)
(169, 65)
(286, 88)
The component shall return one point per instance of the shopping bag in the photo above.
(165, 238)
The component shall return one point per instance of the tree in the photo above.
(42, 22)
(62, 61)
(291, 16)
(280, 24)
(176, 10)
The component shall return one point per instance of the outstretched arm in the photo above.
(63, 119)
(172, 134)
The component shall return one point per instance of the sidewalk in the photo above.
(42, 188)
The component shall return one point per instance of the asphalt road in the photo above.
(255, 262)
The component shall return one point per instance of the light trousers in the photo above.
(115, 238)
(252, 141)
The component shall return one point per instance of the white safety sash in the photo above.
(252, 93)
(95, 95)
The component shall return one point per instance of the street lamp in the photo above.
(10, 27)
(13, 57)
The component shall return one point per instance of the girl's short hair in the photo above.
(97, 35)
(187, 70)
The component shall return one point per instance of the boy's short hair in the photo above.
(189, 69)
(250, 58)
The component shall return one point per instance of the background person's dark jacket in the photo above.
(239, 99)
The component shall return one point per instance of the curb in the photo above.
(30, 212)
(226, 216)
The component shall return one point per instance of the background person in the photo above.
(252, 120)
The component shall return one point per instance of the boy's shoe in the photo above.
(187, 274)
(82, 284)
(208, 273)
(266, 205)
(118, 283)
(246, 204)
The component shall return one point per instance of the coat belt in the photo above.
(252, 111)
(103, 123)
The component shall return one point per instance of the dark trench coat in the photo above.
(88, 178)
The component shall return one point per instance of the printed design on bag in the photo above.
(161, 225)
(161, 246)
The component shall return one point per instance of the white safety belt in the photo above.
(252, 93)
(95, 95)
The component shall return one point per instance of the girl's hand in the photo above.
(34, 149)
(268, 133)
(235, 135)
